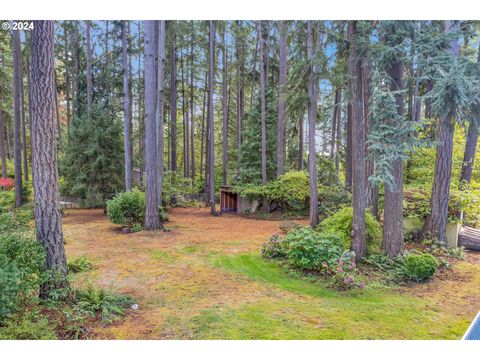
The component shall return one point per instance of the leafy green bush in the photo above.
(127, 208)
(273, 247)
(80, 264)
(307, 249)
(98, 301)
(331, 199)
(392, 268)
(136, 228)
(9, 286)
(31, 326)
(340, 224)
(421, 266)
(288, 225)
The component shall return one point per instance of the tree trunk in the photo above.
(192, 114)
(339, 136)
(312, 122)
(469, 154)
(358, 145)
(89, 70)
(348, 155)
(3, 154)
(67, 75)
(300, 142)
(202, 135)
(239, 53)
(371, 196)
(152, 220)
(184, 118)
(57, 112)
(436, 222)
(210, 139)
(48, 220)
(224, 108)
(126, 111)
(173, 101)
(393, 198)
(160, 120)
(24, 131)
(76, 64)
(17, 104)
(262, 103)
(282, 98)
(336, 108)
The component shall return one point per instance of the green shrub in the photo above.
(421, 266)
(80, 264)
(127, 208)
(136, 228)
(28, 327)
(307, 249)
(288, 225)
(9, 287)
(100, 302)
(340, 224)
(331, 199)
(273, 247)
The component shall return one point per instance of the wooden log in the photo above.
(469, 238)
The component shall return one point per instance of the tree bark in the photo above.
(76, 64)
(436, 222)
(57, 112)
(3, 154)
(224, 108)
(371, 195)
(192, 106)
(282, 98)
(469, 154)
(262, 103)
(17, 129)
(336, 108)
(348, 155)
(173, 101)
(239, 53)
(48, 220)
(67, 75)
(393, 199)
(202, 135)
(126, 111)
(89, 70)
(185, 131)
(24, 130)
(312, 122)
(300, 142)
(160, 120)
(358, 144)
(152, 220)
(339, 136)
(210, 139)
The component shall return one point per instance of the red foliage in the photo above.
(7, 182)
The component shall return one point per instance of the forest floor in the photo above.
(205, 279)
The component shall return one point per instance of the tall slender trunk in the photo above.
(358, 144)
(239, 53)
(339, 136)
(192, 107)
(140, 107)
(262, 103)
(48, 219)
(152, 220)
(202, 132)
(254, 70)
(160, 120)
(348, 155)
(371, 195)
(17, 104)
(312, 122)
(469, 154)
(76, 65)
(89, 69)
(393, 198)
(336, 107)
(184, 117)
(282, 98)
(126, 111)
(24, 131)
(300, 142)
(210, 139)
(436, 222)
(224, 107)
(173, 101)
(67, 74)
(3, 154)
(57, 112)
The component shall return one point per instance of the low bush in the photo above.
(288, 225)
(273, 247)
(340, 224)
(32, 326)
(80, 264)
(345, 275)
(421, 266)
(100, 302)
(308, 250)
(127, 208)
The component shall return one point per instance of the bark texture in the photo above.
(89, 70)
(152, 220)
(358, 145)
(436, 222)
(126, 111)
(262, 102)
(282, 98)
(48, 220)
(224, 108)
(160, 120)
(17, 127)
(210, 138)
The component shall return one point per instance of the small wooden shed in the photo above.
(228, 199)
